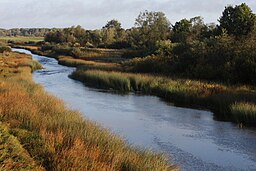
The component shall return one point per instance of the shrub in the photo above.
(149, 64)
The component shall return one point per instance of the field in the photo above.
(22, 39)
(47, 135)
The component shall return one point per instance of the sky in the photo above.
(94, 14)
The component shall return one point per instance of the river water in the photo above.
(192, 137)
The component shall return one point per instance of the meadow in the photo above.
(48, 136)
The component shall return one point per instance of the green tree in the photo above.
(238, 20)
(113, 24)
(181, 29)
(112, 33)
(150, 27)
(188, 30)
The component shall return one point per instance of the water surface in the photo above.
(192, 137)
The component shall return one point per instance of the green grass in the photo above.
(216, 97)
(22, 39)
(58, 138)
(12, 154)
(244, 112)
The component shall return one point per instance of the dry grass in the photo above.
(58, 138)
(244, 112)
(12, 155)
(70, 61)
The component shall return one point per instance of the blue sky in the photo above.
(93, 14)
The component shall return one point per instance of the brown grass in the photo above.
(59, 138)
(70, 61)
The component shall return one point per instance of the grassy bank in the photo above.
(58, 138)
(70, 61)
(219, 98)
(222, 100)
(12, 154)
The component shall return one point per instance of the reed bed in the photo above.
(73, 62)
(244, 112)
(216, 97)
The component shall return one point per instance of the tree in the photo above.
(112, 33)
(55, 36)
(150, 27)
(181, 29)
(113, 24)
(188, 30)
(238, 20)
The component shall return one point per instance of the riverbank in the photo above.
(229, 103)
(225, 101)
(58, 138)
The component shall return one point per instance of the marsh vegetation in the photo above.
(48, 136)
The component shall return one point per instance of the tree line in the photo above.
(36, 32)
(189, 48)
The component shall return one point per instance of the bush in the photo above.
(149, 64)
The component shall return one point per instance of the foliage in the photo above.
(150, 27)
(185, 31)
(115, 24)
(164, 48)
(149, 64)
(24, 32)
(238, 20)
(181, 29)
(193, 49)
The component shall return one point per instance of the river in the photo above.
(193, 139)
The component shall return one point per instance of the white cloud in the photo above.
(94, 14)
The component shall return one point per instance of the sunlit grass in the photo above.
(59, 138)
(70, 61)
(244, 112)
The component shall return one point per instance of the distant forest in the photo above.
(27, 32)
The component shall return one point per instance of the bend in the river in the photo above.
(195, 140)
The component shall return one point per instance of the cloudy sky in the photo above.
(92, 14)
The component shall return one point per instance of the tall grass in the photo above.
(215, 97)
(12, 155)
(61, 139)
(70, 61)
(244, 112)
